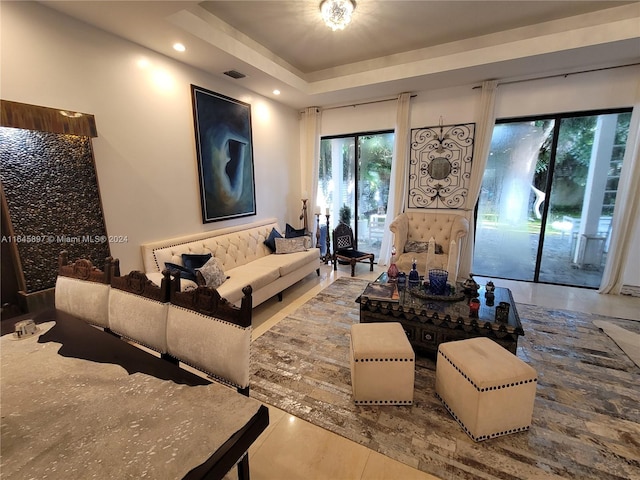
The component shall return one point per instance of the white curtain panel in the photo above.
(310, 156)
(397, 187)
(484, 132)
(626, 212)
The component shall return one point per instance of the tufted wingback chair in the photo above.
(445, 229)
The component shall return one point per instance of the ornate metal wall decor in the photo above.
(440, 166)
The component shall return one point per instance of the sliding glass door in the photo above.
(544, 212)
(353, 184)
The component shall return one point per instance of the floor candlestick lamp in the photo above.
(303, 215)
(317, 214)
(327, 257)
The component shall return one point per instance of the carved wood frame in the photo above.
(83, 269)
(207, 301)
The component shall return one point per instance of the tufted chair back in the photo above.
(421, 227)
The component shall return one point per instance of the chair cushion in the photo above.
(287, 264)
(256, 274)
(353, 254)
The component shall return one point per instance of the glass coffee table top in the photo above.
(454, 305)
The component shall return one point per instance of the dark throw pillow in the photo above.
(194, 260)
(270, 242)
(185, 272)
(291, 232)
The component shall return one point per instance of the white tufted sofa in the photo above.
(244, 257)
(446, 229)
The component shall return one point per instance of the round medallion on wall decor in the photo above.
(439, 168)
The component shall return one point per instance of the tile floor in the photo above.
(292, 448)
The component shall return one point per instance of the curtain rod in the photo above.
(562, 74)
(364, 103)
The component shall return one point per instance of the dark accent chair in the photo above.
(344, 250)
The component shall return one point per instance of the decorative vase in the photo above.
(392, 272)
(414, 276)
(438, 281)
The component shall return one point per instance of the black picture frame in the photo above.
(224, 149)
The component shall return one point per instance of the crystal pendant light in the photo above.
(337, 13)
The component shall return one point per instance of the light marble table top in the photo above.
(65, 417)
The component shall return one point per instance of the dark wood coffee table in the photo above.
(429, 322)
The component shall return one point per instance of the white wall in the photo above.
(589, 91)
(145, 151)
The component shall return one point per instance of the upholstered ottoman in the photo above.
(487, 389)
(382, 364)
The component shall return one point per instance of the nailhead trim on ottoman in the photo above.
(489, 391)
(382, 364)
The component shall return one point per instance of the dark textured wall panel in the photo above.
(49, 181)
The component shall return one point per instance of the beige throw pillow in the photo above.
(213, 273)
(290, 245)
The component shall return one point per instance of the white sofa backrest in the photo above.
(234, 246)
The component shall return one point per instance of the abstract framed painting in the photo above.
(224, 151)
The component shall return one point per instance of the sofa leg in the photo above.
(371, 259)
(353, 268)
(280, 296)
(318, 271)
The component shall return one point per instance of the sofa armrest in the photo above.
(459, 229)
(400, 229)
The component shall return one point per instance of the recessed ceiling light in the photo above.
(276, 92)
(178, 47)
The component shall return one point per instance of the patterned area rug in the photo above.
(627, 340)
(586, 419)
